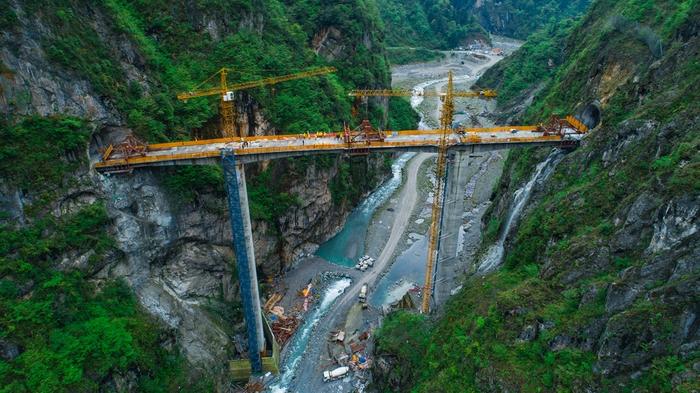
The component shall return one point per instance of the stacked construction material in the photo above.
(365, 263)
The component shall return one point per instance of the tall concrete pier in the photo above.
(456, 180)
(234, 177)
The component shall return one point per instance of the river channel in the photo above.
(390, 225)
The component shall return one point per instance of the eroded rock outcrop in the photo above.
(177, 256)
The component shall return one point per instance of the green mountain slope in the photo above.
(599, 288)
(77, 74)
(520, 18)
(447, 24)
(427, 23)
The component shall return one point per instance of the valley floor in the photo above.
(396, 225)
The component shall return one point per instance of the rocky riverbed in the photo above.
(400, 222)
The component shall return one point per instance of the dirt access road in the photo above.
(308, 378)
(308, 375)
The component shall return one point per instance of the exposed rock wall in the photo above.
(177, 256)
(600, 283)
(642, 264)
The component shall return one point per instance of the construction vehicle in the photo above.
(227, 108)
(338, 336)
(363, 296)
(365, 263)
(336, 374)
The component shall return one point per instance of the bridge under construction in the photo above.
(132, 154)
(233, 152)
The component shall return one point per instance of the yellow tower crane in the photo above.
(446, 116)
(225, 91)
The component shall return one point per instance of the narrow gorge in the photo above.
(444, 196)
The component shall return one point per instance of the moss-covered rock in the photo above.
(600, 282)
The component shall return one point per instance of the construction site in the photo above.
(349, 196)
(317, 323)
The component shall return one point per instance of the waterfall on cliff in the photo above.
(494, 256)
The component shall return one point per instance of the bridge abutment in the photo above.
(239, 214)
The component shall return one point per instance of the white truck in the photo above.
(363, 296)
(332, 375)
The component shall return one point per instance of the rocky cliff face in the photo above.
(598, 290)
(641, 277)
(180, 261)
(639, 267)
(518, 20)
(176, 255)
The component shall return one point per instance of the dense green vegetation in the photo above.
(267, 199)
(428, 23)
(520, 18)
(401, 115)
(447, 24)
(551, 265)
(34, 151)
(7, 17)
(188, 182)
(178, 56)
(535, 62)
(478, 339)
(354, 178)
(73, 336)
(407, 24)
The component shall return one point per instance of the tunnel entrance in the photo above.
(591, 115)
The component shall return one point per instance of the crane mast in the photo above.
(227, 108)
(436, 212)
(446, 117)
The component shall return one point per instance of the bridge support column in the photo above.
(440, 241)
(234, 177)
(456, 180)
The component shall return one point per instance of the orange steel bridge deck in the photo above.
(258, 148)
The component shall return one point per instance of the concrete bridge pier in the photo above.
(452, 157)
(456, 180)
(234, 177)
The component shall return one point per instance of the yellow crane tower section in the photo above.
(446, 116)
(225, 91)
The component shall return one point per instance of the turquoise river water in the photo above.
(348, 245)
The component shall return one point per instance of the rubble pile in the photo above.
(283, 329)
(350, 354)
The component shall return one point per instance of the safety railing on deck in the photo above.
(576, 123)
(374, 145)
(501, 129)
